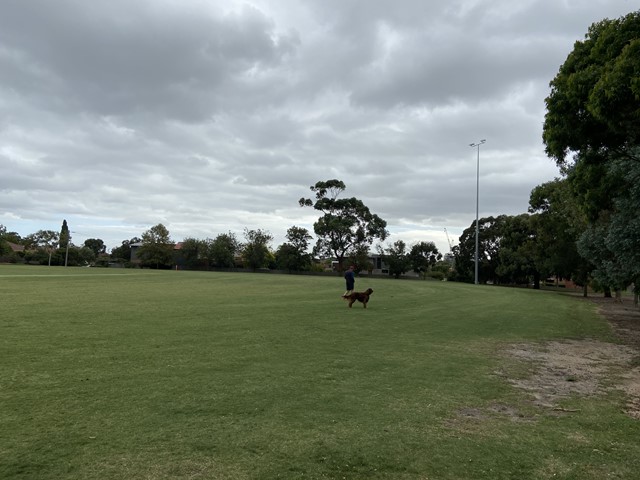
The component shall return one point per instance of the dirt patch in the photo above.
(576, 368)
(570, 368)
(624, 317)
(587, 367)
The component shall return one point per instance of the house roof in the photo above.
(177, 246)
(16, 247)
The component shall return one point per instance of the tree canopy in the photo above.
(423, 256)
(593, 113)
(594, 105)
(157, 247)
(396, 256)
(293, 255)
(44, 239)
(255, 251)
(223, 249)
(347, 227)
(96, 245)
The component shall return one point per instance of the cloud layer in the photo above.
(211, 117)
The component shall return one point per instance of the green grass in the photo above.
(140, 374)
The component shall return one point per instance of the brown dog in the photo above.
(362, 297)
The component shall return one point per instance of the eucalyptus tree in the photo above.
(46, 240)
(346, 227)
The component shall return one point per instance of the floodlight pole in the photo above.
(477, 145)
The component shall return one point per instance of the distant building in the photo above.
(15, 248)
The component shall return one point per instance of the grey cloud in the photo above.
(215, 116)
(134, 57)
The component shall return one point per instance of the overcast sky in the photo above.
(216, 116)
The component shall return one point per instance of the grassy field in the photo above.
(140, 374)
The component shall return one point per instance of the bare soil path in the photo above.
(586, 367)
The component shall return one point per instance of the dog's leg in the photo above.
(351, 300)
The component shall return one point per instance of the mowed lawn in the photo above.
(141, 374)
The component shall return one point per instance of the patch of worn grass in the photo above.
(150, 374)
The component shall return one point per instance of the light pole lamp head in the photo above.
(477, 144)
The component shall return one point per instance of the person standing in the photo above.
(350, 278)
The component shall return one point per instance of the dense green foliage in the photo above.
(423, 256)
(45, 240)
(255, 250)
(223, 250)
(293, 255)
(347, 227)
(594, 105)
(396, 256)
(593, 113)
(96, 245)
(157, 248)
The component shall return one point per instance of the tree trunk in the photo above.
(536, 281)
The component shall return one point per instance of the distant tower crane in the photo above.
(449, 241)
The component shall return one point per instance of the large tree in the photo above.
(593, 117)
(516, 257)
(346, 226)
(423, 256)
(194, 252)
(223, 249)
(594, 105)
(611, 241)
(558, 223)
(293, 255)
(396, 256)
(46, 240)
(490, 235)
(255, 251)
(4, 246)
(13, 237)
(157, 247)
(96, 245)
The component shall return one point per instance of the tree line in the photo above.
(583, 226)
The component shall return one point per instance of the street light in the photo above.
(477, 145)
